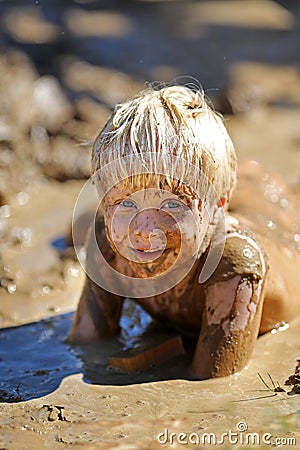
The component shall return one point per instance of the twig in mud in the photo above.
(293, 380)
(274, 389)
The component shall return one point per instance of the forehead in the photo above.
(154, 186)
(122, 190)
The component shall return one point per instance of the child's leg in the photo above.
(270, 208)
(282, 293)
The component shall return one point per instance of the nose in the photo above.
(149, 228)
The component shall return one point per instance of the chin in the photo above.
(147, 270)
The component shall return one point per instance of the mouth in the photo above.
(149, 254)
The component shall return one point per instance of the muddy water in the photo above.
(35, 358)
(101, 54)
(107, 416)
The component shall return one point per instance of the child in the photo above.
(166, 169)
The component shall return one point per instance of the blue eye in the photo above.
(128, 204)
(172, 204)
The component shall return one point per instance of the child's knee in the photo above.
(276, 309)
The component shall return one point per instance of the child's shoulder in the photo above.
(243, 255)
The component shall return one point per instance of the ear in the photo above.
(222, 202)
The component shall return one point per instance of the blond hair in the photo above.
(171, 131)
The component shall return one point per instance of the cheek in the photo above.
(116, 226)
(119, 227)
(183, 236)
(193, 228)
(188, 227)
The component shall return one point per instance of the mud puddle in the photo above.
(36, 357)
(250, 61)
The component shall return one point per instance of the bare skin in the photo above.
(249, 293)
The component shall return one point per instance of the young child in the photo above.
(165, 168)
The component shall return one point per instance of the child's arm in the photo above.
(98, 313)
(233, 307)
(97, 316)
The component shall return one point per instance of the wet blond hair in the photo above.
(171, 131)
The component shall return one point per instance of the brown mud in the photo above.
(63, 67)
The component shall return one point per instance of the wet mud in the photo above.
(52, 358)
(63, 67)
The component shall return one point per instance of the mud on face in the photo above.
(151, 227)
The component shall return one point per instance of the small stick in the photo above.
(134, 360)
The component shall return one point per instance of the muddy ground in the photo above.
(63, 66)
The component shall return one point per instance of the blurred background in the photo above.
(64, 64)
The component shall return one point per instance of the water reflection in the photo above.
(36, 357)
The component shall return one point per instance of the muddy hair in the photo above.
(171, 131)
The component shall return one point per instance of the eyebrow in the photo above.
(119, 199)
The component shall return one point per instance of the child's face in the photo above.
(151, 227)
